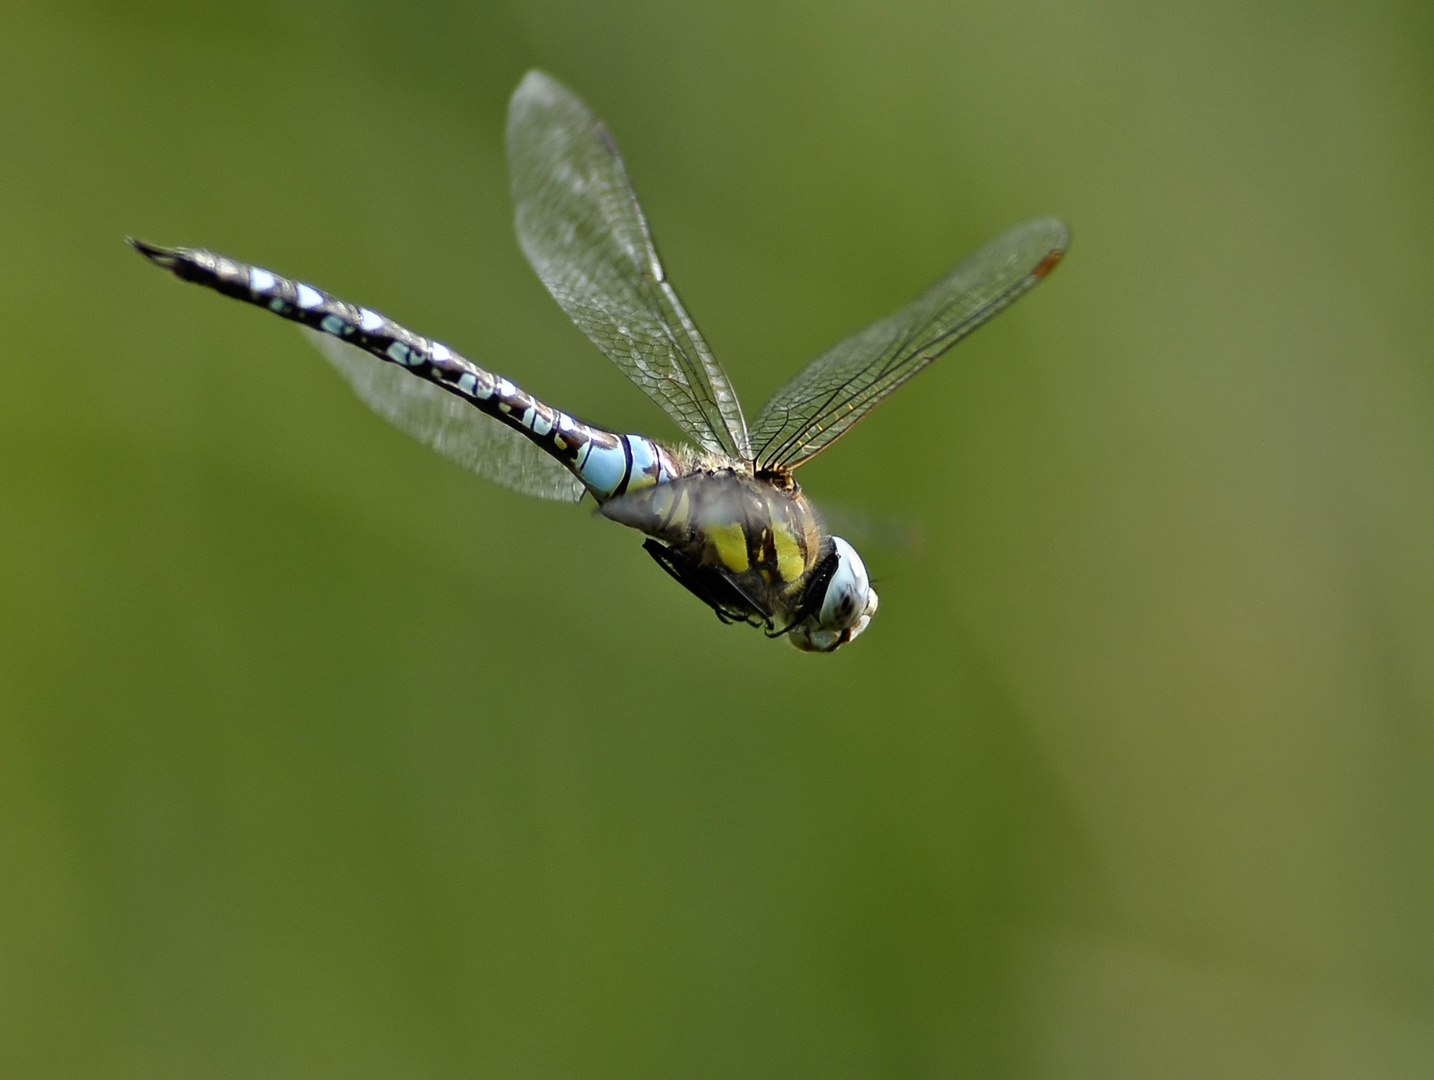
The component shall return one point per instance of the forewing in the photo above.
(582, 230)
(842, 385)
(448, 424)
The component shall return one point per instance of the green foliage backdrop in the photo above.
(321, 758)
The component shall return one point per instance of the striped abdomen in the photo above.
(608, 464)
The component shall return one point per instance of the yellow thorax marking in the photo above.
(791, 563)
(730, 543)
(683, 509)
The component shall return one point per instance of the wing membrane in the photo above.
(582, 230)
(842, 385)
(448, 424)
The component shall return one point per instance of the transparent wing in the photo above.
(583, 232)
(448, 424)
(842, 385)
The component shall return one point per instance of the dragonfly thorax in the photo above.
(752, 548)
(746, 546)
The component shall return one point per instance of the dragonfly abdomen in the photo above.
(607, 463)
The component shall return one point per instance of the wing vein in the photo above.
(583, 230)
(832, 393)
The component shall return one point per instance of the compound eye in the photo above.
(848, 591)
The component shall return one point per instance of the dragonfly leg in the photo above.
(725, 597)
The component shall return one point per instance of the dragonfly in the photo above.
(723, 514)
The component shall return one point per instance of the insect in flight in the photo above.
(726, 517)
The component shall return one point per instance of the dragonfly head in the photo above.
(845, 604)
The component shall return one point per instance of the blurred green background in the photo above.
(321, 758)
